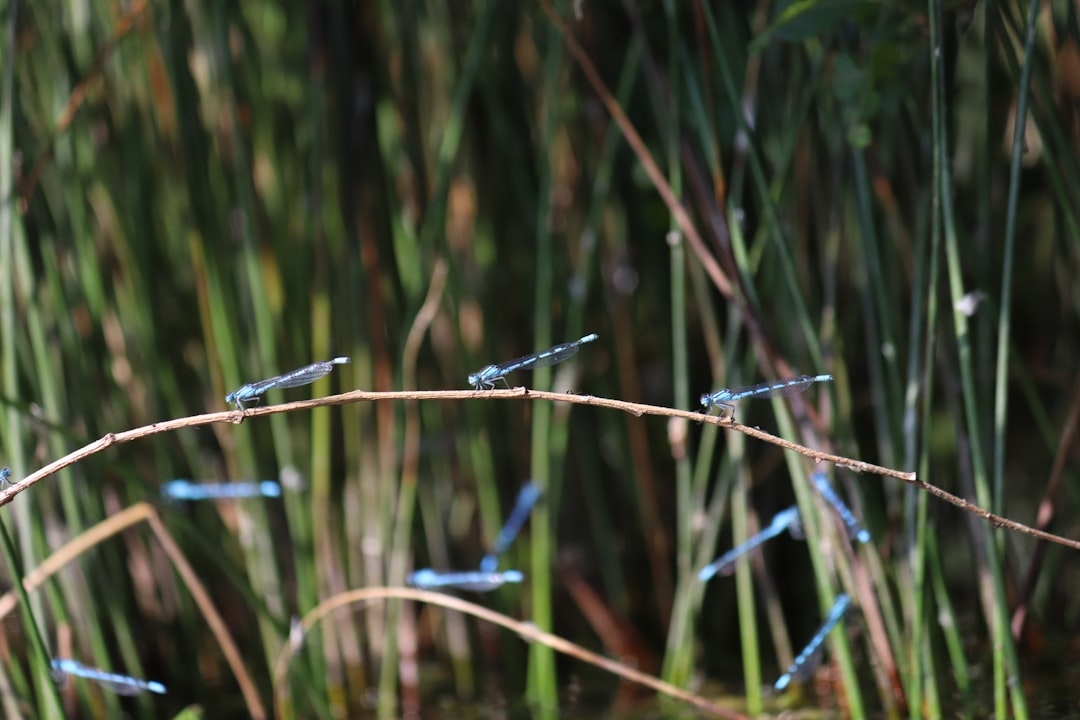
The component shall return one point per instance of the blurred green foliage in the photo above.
(197, 195)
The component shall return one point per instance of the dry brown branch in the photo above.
(526, 631)
(522, 393)
(144, 512)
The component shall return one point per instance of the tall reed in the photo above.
(194, 196)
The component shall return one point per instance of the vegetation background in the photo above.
(196, 195)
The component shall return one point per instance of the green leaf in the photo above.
(805, 19)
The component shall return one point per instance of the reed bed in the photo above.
(196, 196)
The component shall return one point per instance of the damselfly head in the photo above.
(481, 377)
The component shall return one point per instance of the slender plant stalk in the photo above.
(199, 196)
(1005, 660)
(543, 684)
(616, 583)
(744, 587)
(823, 567)
(1004, 329)
(7, 258)
(953, 642)
(40, 655)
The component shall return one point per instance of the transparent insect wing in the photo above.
(523, 506)
(294, 378)
(551, 356)
(810, 663)
(302, 376)
(123, 686)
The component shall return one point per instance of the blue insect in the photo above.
(526, 499)
(188, 490)
(252, 392)
(724, 398)
(120, 684)
(807, 661)
(474, 581)
(725, 564)
(487, 377)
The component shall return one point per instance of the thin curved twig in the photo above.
(113, 525)
(522, 393)
(526, 631)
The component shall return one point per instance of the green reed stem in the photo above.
(1005, 661)
(1004, 330)
(41, 658)
(543, 688)
(744, 579)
